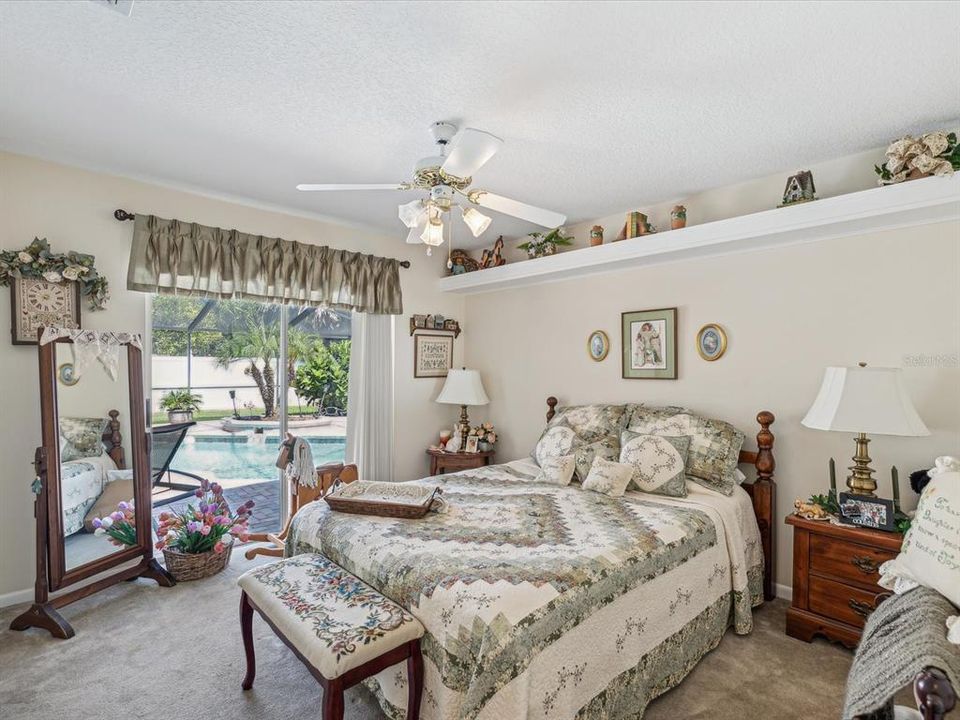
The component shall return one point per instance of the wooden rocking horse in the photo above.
(300, 494)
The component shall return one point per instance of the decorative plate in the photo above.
(711, 342)
(598, 345)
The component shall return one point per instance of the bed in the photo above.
(83, 479)
(543, 601)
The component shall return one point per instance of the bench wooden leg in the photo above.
(414, 681)
(246, 630)
(333, 699)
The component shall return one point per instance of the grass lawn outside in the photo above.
(160, 418)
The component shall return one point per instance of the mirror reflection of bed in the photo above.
(94, 448)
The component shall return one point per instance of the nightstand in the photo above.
(835, 578)
(441, 462)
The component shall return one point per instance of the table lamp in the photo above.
(864, 400)
(463, 387)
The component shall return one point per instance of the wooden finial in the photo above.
(552, 405)
(765, 462)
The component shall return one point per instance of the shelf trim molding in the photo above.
(908, 204)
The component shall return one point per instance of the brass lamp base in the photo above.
(860, 480)
(465, 428)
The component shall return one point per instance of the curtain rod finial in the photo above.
(405, 263)
(123, 215)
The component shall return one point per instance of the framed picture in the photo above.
(598, 345)
(711, 342)
(35, 303)
(432, 355)
(867, 511)
(649, 344)
(473, 444)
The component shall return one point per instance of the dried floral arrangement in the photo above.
(541, 244)
(935, 153)
(36, 261)
(484, 433)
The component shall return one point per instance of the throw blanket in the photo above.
(550, 602)
(904, 635)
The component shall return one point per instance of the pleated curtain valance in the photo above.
(171, 257)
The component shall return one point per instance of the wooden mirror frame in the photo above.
(52, 574)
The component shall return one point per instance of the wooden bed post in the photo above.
(112, 440)
(551, 407)
(764, 498)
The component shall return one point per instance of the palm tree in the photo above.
(258, 344)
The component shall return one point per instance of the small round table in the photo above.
(441, 461)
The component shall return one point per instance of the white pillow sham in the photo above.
(557, 470)
(608, 477)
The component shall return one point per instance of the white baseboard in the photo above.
(784, 592)
(16, 597)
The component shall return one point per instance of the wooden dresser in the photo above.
(835, 578)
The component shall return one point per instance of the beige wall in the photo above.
(788, 313)
(73, 209)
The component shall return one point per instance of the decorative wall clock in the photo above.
(35, 303)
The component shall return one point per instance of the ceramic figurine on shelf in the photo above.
(461, 262)
(494, 257)
(799, 189)
(678, 217)
(596, 235)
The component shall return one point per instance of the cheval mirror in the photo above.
(93, 458)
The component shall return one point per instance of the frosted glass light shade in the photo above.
(433, 232)
(412, 213)
(476, 221)
(463, 387)
(864, 400)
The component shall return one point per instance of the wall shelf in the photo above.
(917, 202)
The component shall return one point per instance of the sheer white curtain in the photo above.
(370, 396)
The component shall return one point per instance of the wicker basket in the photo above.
(194, 566)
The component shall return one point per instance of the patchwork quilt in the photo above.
(542, 601)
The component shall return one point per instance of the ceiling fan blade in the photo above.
(470, 152)
(546, 218)
(306, 187)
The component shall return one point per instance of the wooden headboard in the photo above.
(112, 440)
(761, 491)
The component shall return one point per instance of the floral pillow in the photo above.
(557, 440)
(714, 444)
(607, 447)
(658, 462)
(592, 421)
(557, 470)
(81, 437)
(608, 477)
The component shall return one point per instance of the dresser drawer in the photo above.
(847, 561)
(841, 602)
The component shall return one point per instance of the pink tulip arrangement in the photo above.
(207, 526)
(120, 526)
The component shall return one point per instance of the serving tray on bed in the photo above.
(398, 500)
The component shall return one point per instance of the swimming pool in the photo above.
(245, 457)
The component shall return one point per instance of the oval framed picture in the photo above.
(67, 374)
(598, 345)
(711, 342)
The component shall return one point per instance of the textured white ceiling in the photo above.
(602, 105)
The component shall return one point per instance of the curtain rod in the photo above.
(122, 215)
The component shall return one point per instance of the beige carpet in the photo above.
(147, 652)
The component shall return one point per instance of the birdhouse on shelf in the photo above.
(800, 188)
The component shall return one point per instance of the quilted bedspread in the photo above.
(542, 601)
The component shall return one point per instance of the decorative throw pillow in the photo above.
(590, 422)
(113, 494)
(658, 462)
(930, 554)
(609, 478)
(81, 437)
(714, 444)
(607, 447)
(557, 440)
(557, 470)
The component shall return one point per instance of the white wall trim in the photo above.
(16, 597)
(784, 592)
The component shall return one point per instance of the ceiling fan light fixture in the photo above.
(476, 221)
(412, 213)
(433, 232)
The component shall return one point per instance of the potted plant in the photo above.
(180, 405)
(486, 436)
(545, 244)
(197, 541)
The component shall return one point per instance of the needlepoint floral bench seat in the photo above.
(342, 629)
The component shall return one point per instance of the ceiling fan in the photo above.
(448, 177)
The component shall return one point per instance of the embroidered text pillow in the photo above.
(658, 462)
(608, 477)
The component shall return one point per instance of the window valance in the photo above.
(173, 257)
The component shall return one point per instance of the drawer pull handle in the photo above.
(867, 566)
(861, 608)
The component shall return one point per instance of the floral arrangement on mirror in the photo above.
(909, 158)
(541, 244)
(486, 436)
(120, 526)
(37, 261)
(197, 540)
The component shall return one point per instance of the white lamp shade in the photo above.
(476, 221)
(412, 213)
(864, 400)
(463, 387)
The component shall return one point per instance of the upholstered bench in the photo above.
(342, 629)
